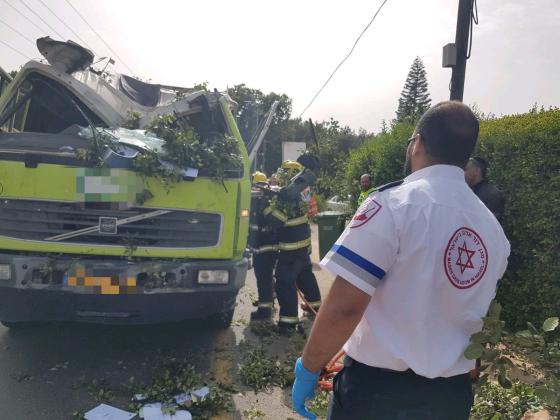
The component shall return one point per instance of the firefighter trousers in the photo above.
(264, 264)
(294, 268)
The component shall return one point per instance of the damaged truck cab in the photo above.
(104, 243)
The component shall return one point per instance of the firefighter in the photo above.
(264, 246)
(294, 269)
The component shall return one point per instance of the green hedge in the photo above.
(381, 156)
(524, 154)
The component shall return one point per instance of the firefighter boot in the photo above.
(262, 314)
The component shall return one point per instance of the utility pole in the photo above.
(461, 46)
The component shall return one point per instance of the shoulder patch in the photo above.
(390, 185)
(365, 213)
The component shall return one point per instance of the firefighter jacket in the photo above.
(291, 224)
(262, 237)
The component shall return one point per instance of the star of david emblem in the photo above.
(463, 250)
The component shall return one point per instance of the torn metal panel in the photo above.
(67, 57)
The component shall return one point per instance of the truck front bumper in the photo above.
(114, 291)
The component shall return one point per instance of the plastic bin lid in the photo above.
(330, 214)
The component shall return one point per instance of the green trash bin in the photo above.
(331, 225)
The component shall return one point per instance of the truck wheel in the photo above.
(221, 320)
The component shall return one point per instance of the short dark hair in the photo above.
(449, 131)
(481, 164)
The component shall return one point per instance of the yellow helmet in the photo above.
(291, 165)
(259, 177)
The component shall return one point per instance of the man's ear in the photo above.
(418, 146)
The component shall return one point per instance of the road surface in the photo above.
(50, 372)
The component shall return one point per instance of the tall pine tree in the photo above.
(415, 99)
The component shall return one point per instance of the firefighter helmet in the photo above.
(259, 177)
(292, 165)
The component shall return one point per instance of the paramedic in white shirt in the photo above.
(416, 270)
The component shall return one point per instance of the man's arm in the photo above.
(338, 317)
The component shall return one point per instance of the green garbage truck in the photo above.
(97, 240)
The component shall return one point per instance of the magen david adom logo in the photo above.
(465, 258)
(367, 210)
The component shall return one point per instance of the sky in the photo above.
(292, 46)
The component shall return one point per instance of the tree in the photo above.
(415, 98)
(253, 105)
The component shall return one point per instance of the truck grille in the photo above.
(56, 221)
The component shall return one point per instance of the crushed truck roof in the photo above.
(114, 97)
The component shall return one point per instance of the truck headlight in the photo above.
(213, 277)
(5, 272)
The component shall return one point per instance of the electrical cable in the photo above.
(66, 25)
(24, 16)
(18, 32)
(343, 60)
(474, 21)
(16, 50)
(99, 36)
(41, 19)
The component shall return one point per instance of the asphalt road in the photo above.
(51, 371)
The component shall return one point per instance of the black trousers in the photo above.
(294, 268)
(364, 392)
(264, 264)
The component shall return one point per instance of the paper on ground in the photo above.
(155, 413)
(202, 392)
(182, 398)
(154, 405)
(106, 412)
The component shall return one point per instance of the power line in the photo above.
(41, 19)
(18, 32)
(25, 17)
(68, 27)
(100, 37)
(344, 59)
(15, 50)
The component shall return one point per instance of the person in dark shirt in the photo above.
(475, 175)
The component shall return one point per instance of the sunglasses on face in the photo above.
(410, 140)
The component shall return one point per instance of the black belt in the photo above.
(349, 362)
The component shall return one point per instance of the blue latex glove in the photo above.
(303, 389)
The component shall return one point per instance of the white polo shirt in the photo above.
(430, 254)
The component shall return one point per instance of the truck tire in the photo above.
(221, 320)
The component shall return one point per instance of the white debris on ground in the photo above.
(151, 411)
(155, 413)
(106, 412)
(201, 393)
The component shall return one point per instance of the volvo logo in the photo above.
(108, 225)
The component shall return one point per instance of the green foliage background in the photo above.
(524, 154)
(524, 151)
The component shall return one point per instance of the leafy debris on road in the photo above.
(320, 403)
(176, 381)
(254, 414)
(259, 371)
